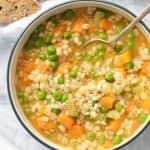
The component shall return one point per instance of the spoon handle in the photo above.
(132, 24)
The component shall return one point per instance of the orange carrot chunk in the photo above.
(25, 80)
(26, 66)
(122, 70)
(107, 101)
(59, 29)
(76, 131)
(45, 125)
(62, 68)
(136, 123)
(123, 59)
(108, 143)
(146, 104)
(105, 24)
(130, 105)
(146, 69)
(114, 125)
(77, 25)
(65, 120)
(42, 67)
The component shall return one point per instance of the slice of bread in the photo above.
(11, 10)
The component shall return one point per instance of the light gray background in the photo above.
(10, 127)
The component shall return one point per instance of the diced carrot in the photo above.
(65, 120)
(108, 143)
(105, 24)
(42, 67)
(25, 80)
(29, 67)
(136, 123)
(122, 70)
(59, 29)
(22, 63)
(77, 25)
(114, 125)
(107, 101)
(91, 28)
(123, 59)
(130, 105)
(76, 131)
(62, 68)
(146, 104)
(45, 125)
(26, 66)
(146, 69)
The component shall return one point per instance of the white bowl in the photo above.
(23, 38)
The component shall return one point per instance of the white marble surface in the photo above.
(10, 128)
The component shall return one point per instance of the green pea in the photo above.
(109, 76)
(142, 117)
(130, 65)
(119, 29)
(118, 48)
(130, 45)
(25, 100)
(67, 35)
(41, 95)
(83, 53)
(55, 111)
(42, 56)
(103, 110)
(90, 136)
(69, 14)
(34, 36)
(103, 13)
(101, 48)
(73, 74)
(58, 95)
(64, 98)
(27, 111)
(102, 36)
(118, 106)
(48, 39)
(131, 36)
(29, 45)
(54, 64)
(51, 50)
(117, 139)
(93, 74)
(52, 57)
(53, 19)
(20, 94)
(90, 58)
(61, 80)
(81, 39)
(101, 139)
(101, 56)
(38, 43)
(40, 28)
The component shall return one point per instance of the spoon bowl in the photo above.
(113, 42)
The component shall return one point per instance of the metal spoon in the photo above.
(129, 27)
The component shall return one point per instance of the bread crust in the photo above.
(11, 10)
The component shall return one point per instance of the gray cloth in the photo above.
(9, 125)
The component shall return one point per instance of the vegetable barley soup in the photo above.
(85, 99)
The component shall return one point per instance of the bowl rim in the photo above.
(13, 50)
